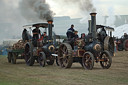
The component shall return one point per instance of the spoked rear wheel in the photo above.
(65, 55)
(29, 58)
(88, 60)
(109, 45)
(105, 60)
(42, 59)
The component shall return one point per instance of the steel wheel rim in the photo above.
(64, 57)
(87, 61)
(106, 60)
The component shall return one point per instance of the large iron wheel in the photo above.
(109, 45)
(88, 60)
(14, 55)
(105, 60)
(65, 55)
(29, 58)
(125, 45)
(9, 57)
(51, 60)
(42, 59)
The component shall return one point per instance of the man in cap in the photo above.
(70, 32)
(125, 36)
(36, 33)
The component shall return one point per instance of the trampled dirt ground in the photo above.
(21, 74)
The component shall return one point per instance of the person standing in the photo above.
(70, 32)
(83, 36)
(125, 36)
(26, 36)
(36, 33)
(45, 34)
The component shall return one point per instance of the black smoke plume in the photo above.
(35, 10)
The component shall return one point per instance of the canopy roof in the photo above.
(43, 25)
(106, 27)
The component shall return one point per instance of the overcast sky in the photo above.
(120, 7)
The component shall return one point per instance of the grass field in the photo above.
(21, 74)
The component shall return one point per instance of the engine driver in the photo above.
(70, 32)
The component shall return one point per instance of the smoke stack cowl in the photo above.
(50, 21)
(93, 14)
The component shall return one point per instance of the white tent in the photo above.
(119, 31)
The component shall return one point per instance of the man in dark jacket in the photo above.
(125, 36)
(26, 35)
(36, 33)
(70, 32)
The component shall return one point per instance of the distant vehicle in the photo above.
(122, 43)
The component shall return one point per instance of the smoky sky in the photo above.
(35, 10)
(85, 6)
(11, 20)
(14, 14)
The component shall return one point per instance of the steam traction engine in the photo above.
(87, 50)
(43, 49)
(122, 43)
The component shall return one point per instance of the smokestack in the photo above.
(110, 33)
(93, 25)
(89, 26)
(50, 29)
